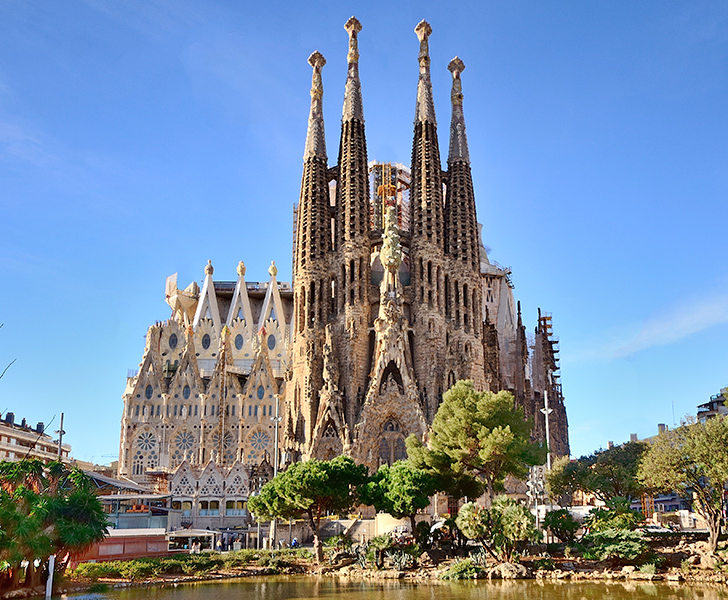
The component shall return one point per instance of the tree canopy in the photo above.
(693, 460)
(481, 434)
(607, 474)
(400, 490)
(311, 488)
(44, 510)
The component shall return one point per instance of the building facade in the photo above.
(393, 299)
(20, 440)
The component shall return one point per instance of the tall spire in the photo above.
(458, 139)
(315, 139)
(425, 107)
(461, 222)
(352, 93)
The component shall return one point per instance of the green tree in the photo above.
(438, 465)
(499, 528)
(607, 474)
(400, 490)
(692, 460)
(562, 525)
(483, 435)
(44, 510)
(312, 488)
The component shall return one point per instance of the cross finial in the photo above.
(423, 31)
(353, 27)
(456, 67)
(317, 61)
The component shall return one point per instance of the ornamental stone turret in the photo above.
(351, 279)
(428, 274)
(312, 255)
(462, 251)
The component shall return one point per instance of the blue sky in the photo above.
(142, 138)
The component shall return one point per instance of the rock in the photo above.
(675, 577)
(708, 561)
(568, 566)
(508, 571)
(628, 570)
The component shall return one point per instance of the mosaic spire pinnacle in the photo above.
(458, 139)
(315, 138)
(352, 92)
(425, 108)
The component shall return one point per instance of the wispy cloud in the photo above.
(22, 143)
(678, 322)
(669, 325)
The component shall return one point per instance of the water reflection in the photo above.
(304, 588)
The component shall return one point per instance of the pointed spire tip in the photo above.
(456, 65)
(352, 24)
(423, 30)
(316, 59)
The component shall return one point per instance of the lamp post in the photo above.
(60, 433)
(547, 411)
(276, 422)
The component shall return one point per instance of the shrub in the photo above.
(339, 542)
(400, 559)
(500, 528)
(562, 525)
(615, 543)
(616, 515)
(463, 569)
(648, 569)
(544, 564)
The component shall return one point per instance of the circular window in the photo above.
(206, 341)
(173, 341)
(185, 440)
(239, 341)
(146, 441)
(148, 392)
(186, 392)
(261, 392)
(259, 440)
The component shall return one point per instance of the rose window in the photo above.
(146, 441)
(260, 440)
(185, 441)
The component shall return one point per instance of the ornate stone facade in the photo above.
(393, 300)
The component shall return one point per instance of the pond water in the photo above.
(303, 588)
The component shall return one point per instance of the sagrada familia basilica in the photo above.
(393, 299)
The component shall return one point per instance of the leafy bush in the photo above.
(376, 549)
(500, 528)
(463, 569)
(479, 556)
(94, 571)
(400, 559)
(424, 536)
(616, 515)
(339, 542)
(615, 543)
(544, 564)
(648, 569)
(562, 525)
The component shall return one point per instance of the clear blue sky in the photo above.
(142, 138)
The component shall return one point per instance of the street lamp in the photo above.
(276, 422)
(547, 411)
